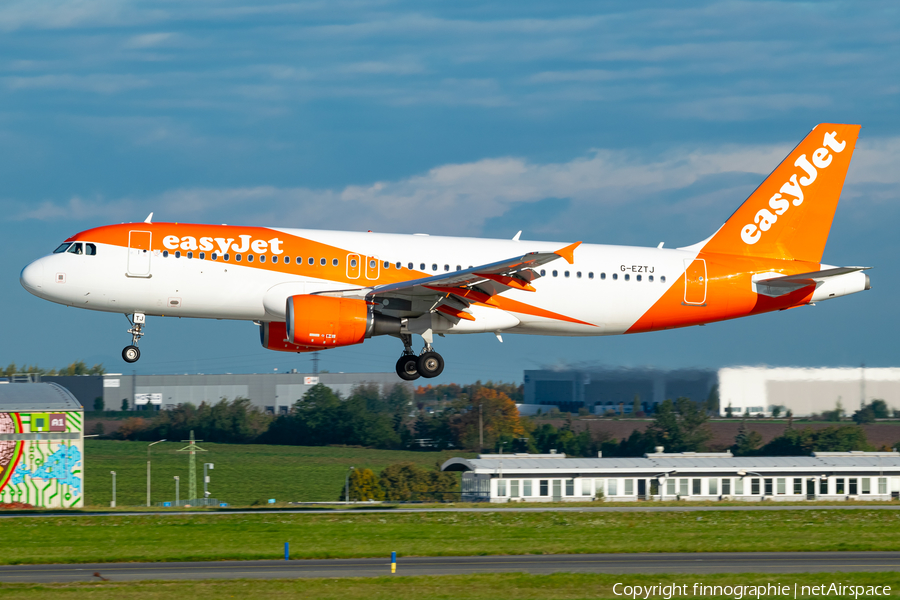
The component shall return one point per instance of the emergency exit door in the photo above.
(139, 253)
(695, 282)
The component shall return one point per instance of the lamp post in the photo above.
(113, 503)
(206, 478)
(148, 470)
(176, 490)
(347, 486)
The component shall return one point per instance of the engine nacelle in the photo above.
(274, 337)
(321, 322)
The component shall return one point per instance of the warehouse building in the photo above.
(41, 446)
(604, 390)
(273, 392)
(757, 390)
(679, 476)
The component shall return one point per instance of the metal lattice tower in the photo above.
(193, 448)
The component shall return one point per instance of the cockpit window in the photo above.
(62, 247)
(90, 249)
(76, 248)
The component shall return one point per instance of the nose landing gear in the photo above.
(428, 364)
(132, 353)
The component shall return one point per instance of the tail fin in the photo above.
(789, 215)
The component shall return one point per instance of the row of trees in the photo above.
(76, 368)
(404, 481)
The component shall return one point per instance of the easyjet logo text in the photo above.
(791, 193)
(243, 243)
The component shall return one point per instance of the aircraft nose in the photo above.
(32, 277)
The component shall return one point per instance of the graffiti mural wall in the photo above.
(41, 459)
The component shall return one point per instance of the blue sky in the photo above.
(608, 122)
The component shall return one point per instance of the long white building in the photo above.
(679, 476)
(756, 390)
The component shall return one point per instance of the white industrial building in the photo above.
(679, 476)
(756, 390)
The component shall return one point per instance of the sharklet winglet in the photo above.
(568, 252)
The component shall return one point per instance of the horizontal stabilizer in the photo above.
(785, 284)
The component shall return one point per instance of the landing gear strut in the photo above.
(407, 365)
(427, 364)
(131, 353)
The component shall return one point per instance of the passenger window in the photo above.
(578, 274)
(90, 249)
(202, 255)
(543, 272)
(299, 260)
(602, 275)
(638, 277)
(353, 262)
(399, 265)
(178, 254)
(225, 256)
(662, 278)
(262, 258)
(555, 273)
(627, 277)
(615, 276)
(213, 256)
(434, 267)
(311, 261)
(237, 258)
(566, 273)
(446, 268)
(334, 262)
(459, 267)
(62, 248)
(249, 257)
(650, 278)
(323, 261)
(387, 265)
(190, 255)
(591, 275)
(166, 254)
(421, 266)
(287, 260)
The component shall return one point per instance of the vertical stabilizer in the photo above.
(789, 215)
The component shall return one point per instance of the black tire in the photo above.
(430, 364)
(131, 354)
(407, 367)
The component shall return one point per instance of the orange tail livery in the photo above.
(313, 290)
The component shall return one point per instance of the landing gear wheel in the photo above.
(407, 367)
(430, 364)
(131, 354)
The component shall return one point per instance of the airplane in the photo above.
(312, 290)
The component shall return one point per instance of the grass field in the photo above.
(346, 535)
(243, 473)
(561, 586)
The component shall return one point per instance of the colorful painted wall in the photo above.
(42, 459)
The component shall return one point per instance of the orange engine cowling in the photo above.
(326, 321)
(274, 337)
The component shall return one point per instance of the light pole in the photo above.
(148, 470)
(347, 486)
(176, 490)
(113, 503)
(206, 479)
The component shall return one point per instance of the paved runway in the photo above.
(699, 563)
(495, 508)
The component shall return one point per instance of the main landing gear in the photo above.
(427, 364)
(132, 353)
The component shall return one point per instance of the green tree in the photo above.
(747, 442)
(98, 403)
(802, 442)
(124, 404)
(776, 411)
(729, 411)
(407, 481)
(679, 426)
(712, 401)
(364, 486)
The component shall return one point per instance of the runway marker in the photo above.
(393, 562)
(287, 554)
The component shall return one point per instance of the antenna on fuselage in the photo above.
(149, 218)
